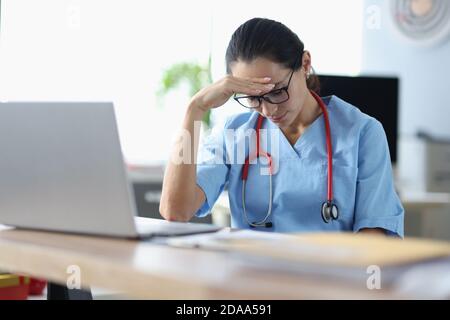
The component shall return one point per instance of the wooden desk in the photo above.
(152, 271)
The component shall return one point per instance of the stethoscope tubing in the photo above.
(329, 209)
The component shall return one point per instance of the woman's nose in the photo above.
(268, 109)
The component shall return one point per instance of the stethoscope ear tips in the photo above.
(329, 211)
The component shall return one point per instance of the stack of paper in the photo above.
(338, 255)
(339, 249)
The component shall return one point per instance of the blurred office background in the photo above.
(121, 50)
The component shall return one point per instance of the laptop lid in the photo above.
(62, 169)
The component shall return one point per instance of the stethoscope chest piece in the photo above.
(330, 211)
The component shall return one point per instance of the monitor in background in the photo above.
(375, 96)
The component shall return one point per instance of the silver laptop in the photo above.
(61, 169)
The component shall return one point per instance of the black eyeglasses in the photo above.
(276, 96)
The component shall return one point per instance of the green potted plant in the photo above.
(194, 74)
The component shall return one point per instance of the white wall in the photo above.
(424, 72)
(105, 50)
(116, 50)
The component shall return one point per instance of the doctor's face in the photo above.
(282, 114)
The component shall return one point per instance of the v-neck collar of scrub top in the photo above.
(305, 141)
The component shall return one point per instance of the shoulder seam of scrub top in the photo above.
(230, 122)
(302, 144)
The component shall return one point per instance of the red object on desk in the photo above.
(36, 286)
(13, 287)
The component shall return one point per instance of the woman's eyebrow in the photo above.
(280, 82)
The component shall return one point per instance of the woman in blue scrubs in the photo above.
(269, 72)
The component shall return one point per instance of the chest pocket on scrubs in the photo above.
(344, 190)
(300, 190)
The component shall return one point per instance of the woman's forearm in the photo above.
(181, 197)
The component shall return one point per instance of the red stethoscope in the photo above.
(329, 209)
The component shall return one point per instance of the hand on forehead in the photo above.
(261, 68)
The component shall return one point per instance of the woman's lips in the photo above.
(278, 119)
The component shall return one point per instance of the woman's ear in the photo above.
(306, 62)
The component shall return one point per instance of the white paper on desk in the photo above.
(4, 227)
(430, 280)
(220, 241)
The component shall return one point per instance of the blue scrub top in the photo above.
(363, 187)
